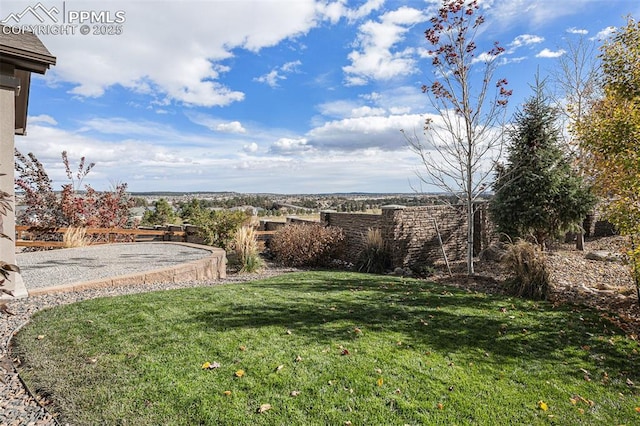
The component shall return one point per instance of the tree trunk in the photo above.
(580, 241)
(470, 269)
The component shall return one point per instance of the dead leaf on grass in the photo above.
(295, 393)
(543, 405)
(239, 373)
(264, 408)
(226, 393)
(210, 365)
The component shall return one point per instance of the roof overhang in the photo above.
(24, 53)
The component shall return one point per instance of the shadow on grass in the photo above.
(322, 307)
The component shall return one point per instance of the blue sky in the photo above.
(285, 96)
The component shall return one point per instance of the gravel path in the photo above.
(17, 406)
(56, 267)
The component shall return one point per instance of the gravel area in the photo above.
(56, 267)
(17, 406)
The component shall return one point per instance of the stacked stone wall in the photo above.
(410, 232)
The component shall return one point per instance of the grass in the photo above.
(418, 353)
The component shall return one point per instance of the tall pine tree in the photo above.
(537, 194)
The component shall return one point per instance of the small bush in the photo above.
(530, 276)
(374, 257)
(245, 245)
(307, 244)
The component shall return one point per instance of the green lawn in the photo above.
(365, 349)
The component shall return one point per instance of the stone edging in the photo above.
(212, 267)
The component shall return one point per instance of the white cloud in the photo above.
(511, 13)
(604, 34)
(231, 127)
(336, 10)
(546, 53)
(526, 40)
(288, 146)
(216, 124)
(152, 53)
(42, 119)
(375, 57)
(574, 30)
(358, 133)
(251, 148)
(277, 74)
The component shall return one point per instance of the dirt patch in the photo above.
(603, 285)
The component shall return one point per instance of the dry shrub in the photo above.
(75, 237)
(307, 244)
(374, 257)
(245, 245)
(530, 275)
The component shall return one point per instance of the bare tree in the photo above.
(465, 139)
(577, 86)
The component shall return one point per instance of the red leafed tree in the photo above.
(73, 207)
(464, 138)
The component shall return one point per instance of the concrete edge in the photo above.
(212, 267)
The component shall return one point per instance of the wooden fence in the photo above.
(25, 235)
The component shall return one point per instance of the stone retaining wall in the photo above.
(410, 232)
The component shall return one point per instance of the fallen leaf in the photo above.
(295, 393)
(210, 365)
(243, 348)
(379, 371)
(264, 407)
(280, 367)
(344, 352)
(573, 401)
(347, 423)
(298, 358)
(5, 309)
(357, 330)
(288, 332)
(398, 391)
(637, 409)
(543, 405)
(40, 337)
(239, 373)
(440, 406)
(380, 381)
(581, 410)
(629, 382)
(227, 393)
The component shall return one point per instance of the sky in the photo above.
(264, 96)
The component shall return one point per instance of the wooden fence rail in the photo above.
(25, 234)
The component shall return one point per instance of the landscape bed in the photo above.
(329, 348)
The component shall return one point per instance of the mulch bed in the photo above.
(603, 285)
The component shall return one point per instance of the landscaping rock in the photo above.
(603, 256)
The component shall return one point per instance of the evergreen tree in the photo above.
(538, 195)
(161, 215)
